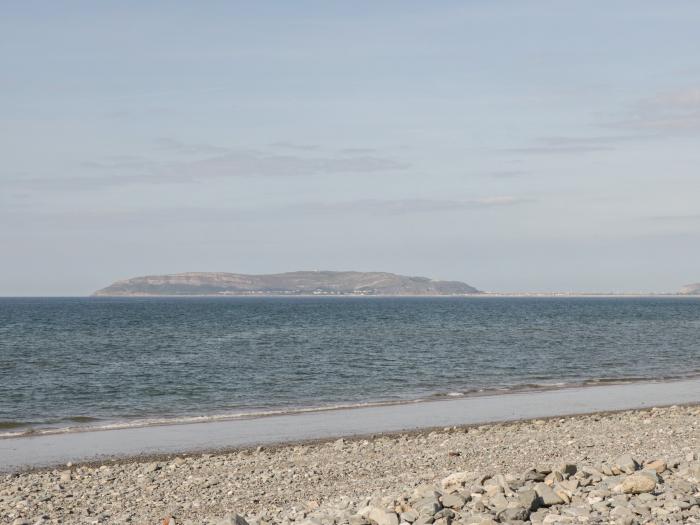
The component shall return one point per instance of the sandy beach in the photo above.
(636, 466)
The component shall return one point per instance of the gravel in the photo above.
(640, 466)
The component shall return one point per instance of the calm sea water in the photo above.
(103, 361)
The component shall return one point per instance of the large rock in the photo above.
(626, 464)
(637, 484)
(382, 516)
(513, 514)
(427, 506)
(453, 501)
(534, 475)
(498, 502)
(529, 499)
(659, 465)
(233, 519)
(456, 481)
(425, 491)
(566, 469)
(547, 496)
(553, 477)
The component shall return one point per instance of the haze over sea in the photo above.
(86, 362)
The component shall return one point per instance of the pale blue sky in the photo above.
(513, 145)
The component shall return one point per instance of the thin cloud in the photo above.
(177, 146)
(676, 218)
(294, 146)
(149, 217)
(81, 182)
(506, 174)
(666, 114)
(558, 150)
(118, 162)
(357, 151)
(411, 206)
(212, 162)
(571, 145)
(255, 163)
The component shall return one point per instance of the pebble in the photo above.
(644, 469)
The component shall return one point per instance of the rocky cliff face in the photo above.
(292, 283)
(690, 289)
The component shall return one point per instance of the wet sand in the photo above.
(49, 450)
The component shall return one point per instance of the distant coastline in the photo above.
(312, 283)
(328, 284)
(477, 295)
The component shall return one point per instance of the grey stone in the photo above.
(566, 469)
(577, 511)
(427, 506)
(233, 519)
(553, 477)
(626, 463)
(533, 475)
(529, 499)
(454, 501)
(513, 513)
(383, 517)
(456, 481)
(622, 512)
(444, 513)
(547, 496)
(498, 502)
(426, 491)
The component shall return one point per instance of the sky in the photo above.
(516, 146)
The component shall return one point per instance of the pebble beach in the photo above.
(630, 467)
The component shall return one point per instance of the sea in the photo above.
(75, 364)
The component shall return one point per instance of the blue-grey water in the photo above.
(72, 362)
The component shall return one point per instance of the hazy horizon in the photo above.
(516, 146)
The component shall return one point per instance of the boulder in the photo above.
(566, 469)
(637, 484)
(533, 475)
(625, 464)
(547, 496)
(427, 506)
(382, 516)
(453, 501)
(498, 502)
(513, 514)
(233, 519)
(529, 499)
(456, 481)
(659, 465)
(425, 491)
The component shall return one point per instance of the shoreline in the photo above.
(280, 446)
(477, 474)
(19, 432)
(163, 440)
